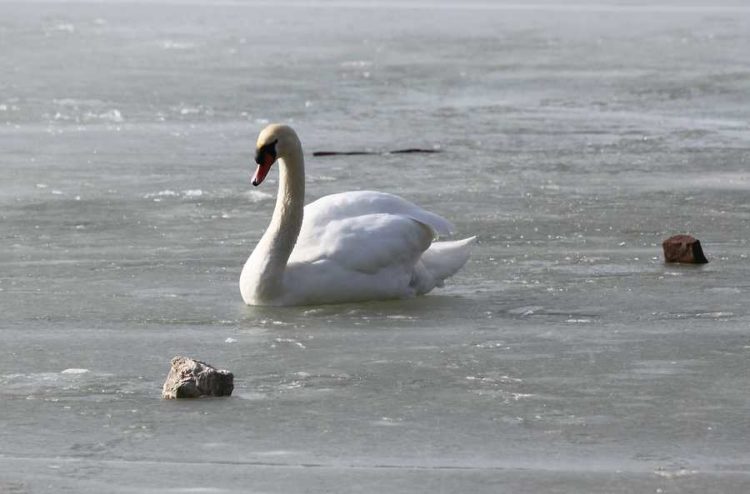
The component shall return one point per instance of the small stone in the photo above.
(190, 378)
(683, 248)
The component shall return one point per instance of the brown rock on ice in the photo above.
(190, 378)
(683, 248)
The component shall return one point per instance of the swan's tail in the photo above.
(443, 259)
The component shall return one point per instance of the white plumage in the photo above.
(346, 247)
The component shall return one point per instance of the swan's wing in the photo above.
(366, 244)
(359, 203)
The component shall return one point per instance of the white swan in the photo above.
(346, 247)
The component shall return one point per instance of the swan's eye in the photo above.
(266, 154)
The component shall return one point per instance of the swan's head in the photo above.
(274, 142)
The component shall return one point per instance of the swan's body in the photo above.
(346, 247)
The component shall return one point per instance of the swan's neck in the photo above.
(268, 260)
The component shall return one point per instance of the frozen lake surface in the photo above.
(565, 357)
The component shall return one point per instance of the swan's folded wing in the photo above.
(358, 203)
(366, 243)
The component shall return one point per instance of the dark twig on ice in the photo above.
(342, 153)
(359, 153)
(413, 150)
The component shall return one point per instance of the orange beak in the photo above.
(264, 160)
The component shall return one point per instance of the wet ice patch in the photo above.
(503, 395)
(494, 379)
(388, 422)
(272, 322)
(526, 311)
(55, 386)
(65, 27)
(160, 194)
(673, 474)
(291, 341)
(399, 317)
(321, 178)
(714, 315)
(275, 453)
(725, 289)
(192, 193)
(251, 396)
(114, 115)
(257, 195)
(659, 368)
(194, 490)
(167, 193)
(492, 344)
(169, 44)
(315, 312)
(733, 181)
(188, 111)
(717, 315)
(83, 111)
(520, 396)
(356, 64)
(313, 382)
(75, 370)
(497, 386)
(291, 385)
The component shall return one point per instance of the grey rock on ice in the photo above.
(190, 378)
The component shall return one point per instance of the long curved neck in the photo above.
(272, 252)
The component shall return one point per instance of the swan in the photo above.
(345, 247)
